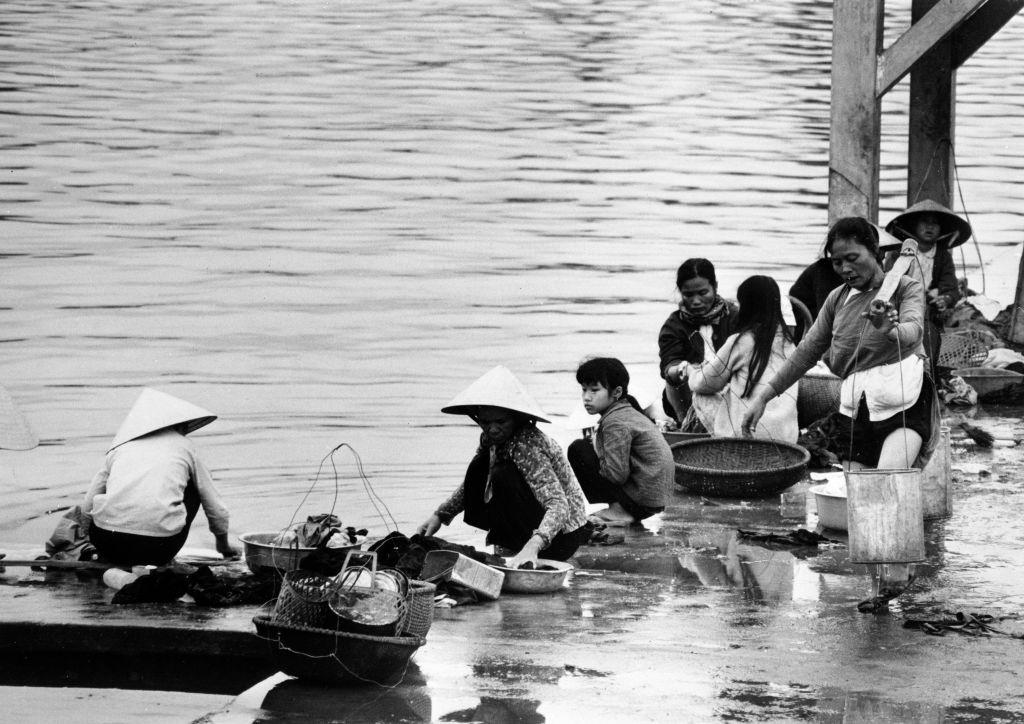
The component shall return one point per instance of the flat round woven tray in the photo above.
(738, 467)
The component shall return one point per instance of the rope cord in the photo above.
(967, 216)
(334, 655)
(855, 404)
(963, 205)
(375, 499)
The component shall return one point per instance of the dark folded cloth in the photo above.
(155, 587)
(209, 589)
(407, 554)
(800, 537)
(203, 585)
(970, 624)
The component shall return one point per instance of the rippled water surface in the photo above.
(322, 220)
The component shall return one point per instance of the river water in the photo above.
(323, 220)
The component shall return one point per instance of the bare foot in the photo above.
(613, 515)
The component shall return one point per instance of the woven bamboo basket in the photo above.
(738, 467)
(961, 349)
(333, 657)
(420, 616)
(816, 397)
(305, 600)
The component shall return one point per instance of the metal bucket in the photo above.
(936, 498)
(886, 522)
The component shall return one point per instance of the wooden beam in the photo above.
(943, 19)
(1016, 333)
(981, 26)
(855, 127)
(931, 119)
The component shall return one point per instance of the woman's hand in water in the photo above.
(225, 548)
(430, 526)
(528, 554)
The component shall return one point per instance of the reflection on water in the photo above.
(322, 220)
(292, 700)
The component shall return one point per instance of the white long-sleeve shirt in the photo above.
(718, 386)
(141, 488)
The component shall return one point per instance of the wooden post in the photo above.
(854, 140)
(932, 120)
(1015, 334)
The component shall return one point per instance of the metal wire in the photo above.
(960, 193)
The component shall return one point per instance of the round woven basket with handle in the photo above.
(336, 657)
(738, 467)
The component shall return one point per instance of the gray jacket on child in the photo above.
(633, 453)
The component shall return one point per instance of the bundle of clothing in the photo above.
(205, 587)
(318, 531)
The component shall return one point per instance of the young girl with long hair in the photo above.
(723, 386)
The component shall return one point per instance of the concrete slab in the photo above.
(28, 704)
(686, 621)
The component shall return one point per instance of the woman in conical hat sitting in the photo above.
(519, 486)
(936, 230)
(144, 499)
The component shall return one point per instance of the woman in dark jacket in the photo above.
(694, 332)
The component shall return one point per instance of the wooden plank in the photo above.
(931, 119)
(896, 61)
(97, 566)
(981, 26)
(908, 254)
(855, 126)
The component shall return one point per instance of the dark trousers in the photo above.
(597, 488)
(512, 513)
(863, 443)
(129, 549)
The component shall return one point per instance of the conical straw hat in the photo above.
(15, 433)
(155, 410)
(903, 224)
(497, 388)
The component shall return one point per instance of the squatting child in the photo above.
(629, 464)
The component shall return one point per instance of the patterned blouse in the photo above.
(545, 469)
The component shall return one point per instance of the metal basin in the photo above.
(534, 581)
(260, 553)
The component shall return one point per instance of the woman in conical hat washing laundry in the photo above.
(519, 486)
(152, 484)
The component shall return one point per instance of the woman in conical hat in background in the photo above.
(936, 230)
(144, 499)
(519, 486)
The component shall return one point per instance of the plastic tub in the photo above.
(830, 500)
